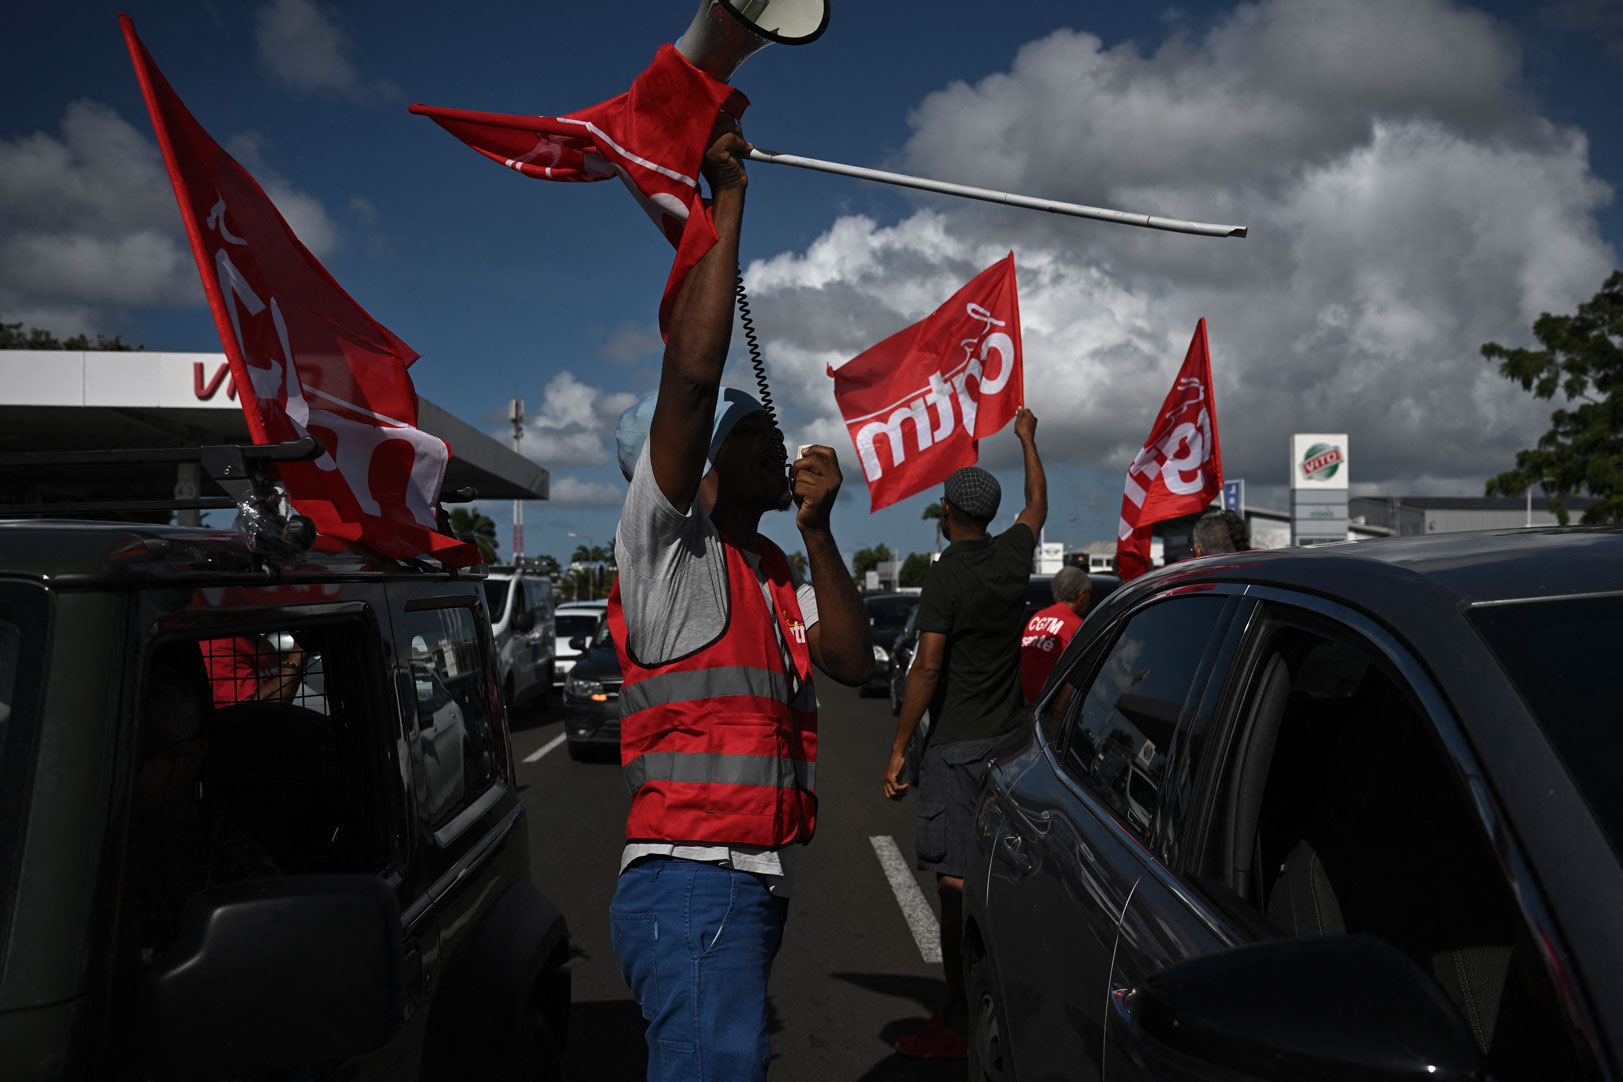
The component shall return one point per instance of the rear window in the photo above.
(890, 613)
(571, 624)
(24, 615)
(1562, 657)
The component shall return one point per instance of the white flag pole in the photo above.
(1077, 210)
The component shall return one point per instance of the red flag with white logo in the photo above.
(305, 358)
(917, 403)
(1180, 469)
(652, 137)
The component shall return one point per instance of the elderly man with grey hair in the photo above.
(1217, 532)
(1049, 630)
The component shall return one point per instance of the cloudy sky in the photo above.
(1418, 177)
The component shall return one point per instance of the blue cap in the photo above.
(632, 432)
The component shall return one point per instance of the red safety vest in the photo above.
(714, 748)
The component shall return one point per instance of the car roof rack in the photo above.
(237, 468)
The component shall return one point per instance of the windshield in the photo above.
(571, 624)
(604, 638)
(496, 598)
(890, 613)
(1560, 655)
(24, 613)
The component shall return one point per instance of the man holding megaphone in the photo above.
(717, 637)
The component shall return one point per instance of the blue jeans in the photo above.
(695, 943)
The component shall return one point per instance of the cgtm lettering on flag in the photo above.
(939, 395)
(1184, 473)
(274, 379)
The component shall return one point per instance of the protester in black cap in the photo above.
(966, 672)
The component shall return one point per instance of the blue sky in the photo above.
(1419, 176)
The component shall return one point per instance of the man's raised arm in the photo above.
(1035, 512)
(701, 330)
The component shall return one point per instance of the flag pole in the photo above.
(1076, 210)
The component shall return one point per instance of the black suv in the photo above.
(259, 822)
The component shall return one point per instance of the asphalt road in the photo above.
(851, 977)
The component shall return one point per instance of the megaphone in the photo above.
(725, 33)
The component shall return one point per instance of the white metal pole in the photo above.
(1076, 210)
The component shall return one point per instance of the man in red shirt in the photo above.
(1049, 630)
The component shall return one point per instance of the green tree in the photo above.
(798, 559)
(12, 336)
(914, 568)
(547, 565)
(591, 554)
(470, 525)
(1582, 358)
(867, 560)
(934, 511)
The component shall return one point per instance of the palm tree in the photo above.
(934, 511)
(470, 525)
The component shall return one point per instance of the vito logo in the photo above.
(939, 396)
(916, 403)
(1321, 462)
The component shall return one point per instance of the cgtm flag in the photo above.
(1180, 469)
(652, 137)
(949, 380)
(305, 358)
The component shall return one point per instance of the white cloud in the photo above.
(573, 492)
(631, 343)
(301, 45)
(88, 222)
(574, 425)
(1405, 202)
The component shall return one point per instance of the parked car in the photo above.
(887, 615)
(902, 649)
(1339, 812)
(574, 619)
(592, 698)
(204, 875)
(522, 624)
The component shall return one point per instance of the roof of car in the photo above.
(74, 552)
(1457, 568)
(584, 605)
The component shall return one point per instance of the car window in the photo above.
(456, 748)
(24, 618)
(1561, 656)
(496, 598)
(1120, 729)
(604, 637)
(570, 624)
(257, 755)
(889, 613)
(1339, 813)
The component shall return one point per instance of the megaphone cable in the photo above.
(753, 343)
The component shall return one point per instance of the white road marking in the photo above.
(553, 743)
(921, 919)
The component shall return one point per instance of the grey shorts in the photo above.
(950, 778)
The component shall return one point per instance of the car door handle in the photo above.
(1016, 853)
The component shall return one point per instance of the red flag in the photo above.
(1180, 469)
(305, 358)
(653, 137)
(953, 378)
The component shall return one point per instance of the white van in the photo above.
(521, 625)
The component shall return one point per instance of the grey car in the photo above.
(1341, 812)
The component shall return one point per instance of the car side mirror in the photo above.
(578, 644)
(276, 974)
(524, 621)
(1329, 1007)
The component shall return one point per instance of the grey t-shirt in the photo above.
(673, 593)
